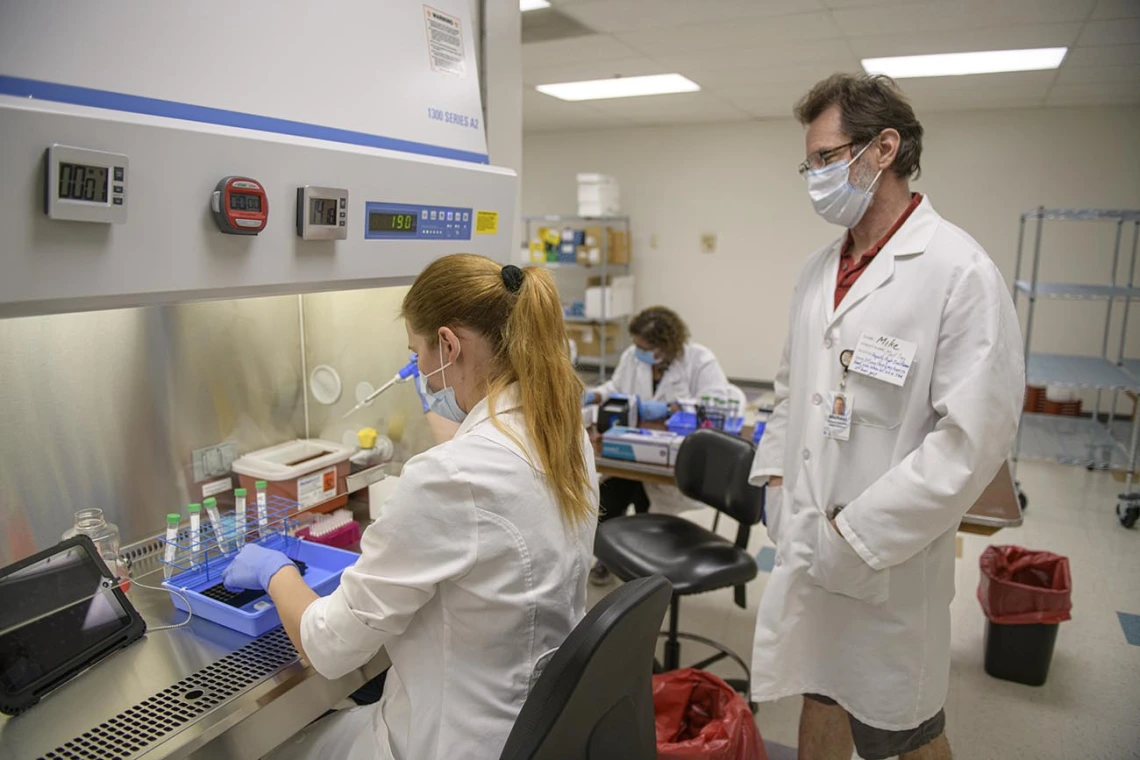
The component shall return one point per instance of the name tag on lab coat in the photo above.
(837, 426)
(883, 358)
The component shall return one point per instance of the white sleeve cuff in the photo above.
(334, 638)
(857, 544)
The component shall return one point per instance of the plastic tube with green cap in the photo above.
(171, 550)
(262, 507)
(211, 505)
(239, 517)
(195, 511)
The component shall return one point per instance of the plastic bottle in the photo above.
(171, 551)
(195, 511)
(262, 507)
(211, 505)
(239, 517)
(105, 536)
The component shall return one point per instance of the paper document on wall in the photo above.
(445, 42)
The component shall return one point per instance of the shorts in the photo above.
(880, 744)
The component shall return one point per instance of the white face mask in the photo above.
(834, 197)
(442, 402)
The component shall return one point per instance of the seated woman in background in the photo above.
(660, 368)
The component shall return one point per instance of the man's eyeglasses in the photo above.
(821, 158)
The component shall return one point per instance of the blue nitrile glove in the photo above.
(652, 410)
(253, 567)
(589, 397)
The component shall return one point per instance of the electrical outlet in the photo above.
(213, 461)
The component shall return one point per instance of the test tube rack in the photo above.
(208, 554)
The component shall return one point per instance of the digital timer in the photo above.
(85, 185)
(240, 206)
(322, 213)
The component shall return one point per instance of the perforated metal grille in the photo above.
(133, 731)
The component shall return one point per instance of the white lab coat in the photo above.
(864, 617)
(694, 374)
(469, 576)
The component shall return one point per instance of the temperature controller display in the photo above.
(379, 221)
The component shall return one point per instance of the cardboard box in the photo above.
(645, 446)
(609, 302)
(616, 243)
(589, 338)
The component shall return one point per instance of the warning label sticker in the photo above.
(316, 488)
(486, 222)
(445, 42)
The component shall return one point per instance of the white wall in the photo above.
(738, 180)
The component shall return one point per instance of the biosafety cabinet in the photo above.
(158, 152)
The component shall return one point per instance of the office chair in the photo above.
(594, 698)
(712, 467)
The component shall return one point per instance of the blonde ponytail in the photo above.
(528, 335)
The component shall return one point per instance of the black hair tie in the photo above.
(512, 277)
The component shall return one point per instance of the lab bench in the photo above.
(202, 691)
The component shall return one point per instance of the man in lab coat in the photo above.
(904, 326)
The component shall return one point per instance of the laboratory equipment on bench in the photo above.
(645, 446)
(309, 471)
(339, 529)
(409, 371)
(84, 185)
(61, 611)
(240, 206)
(200, 560)
(619, 410)
(322, 213)
(104, 535)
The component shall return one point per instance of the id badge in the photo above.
(838, 424)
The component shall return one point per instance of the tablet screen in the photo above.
(52, 611)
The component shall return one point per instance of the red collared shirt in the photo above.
(849, 270)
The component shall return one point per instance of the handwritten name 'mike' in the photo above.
(887, 342)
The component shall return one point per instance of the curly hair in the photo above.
(662, 329)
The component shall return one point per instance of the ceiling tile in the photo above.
(661, 109)
(964, 14)
(1118, 93)
(767, 100)
(1099, 75)
(1103, 55)
(1117, 32)
(764, 108)
(592, 69)
(740, 36)
(547, 113)
(962, 41)
(770, 56)
(597, 47)
(637, 15)
(1107, 9)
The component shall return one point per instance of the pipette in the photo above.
(407, 372)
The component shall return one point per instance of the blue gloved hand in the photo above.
(420, 390)
(652, 410)
(589, 397)
(253, 567)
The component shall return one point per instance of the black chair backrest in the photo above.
(712, 467)
(594, 699)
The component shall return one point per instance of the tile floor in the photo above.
(1090, 706)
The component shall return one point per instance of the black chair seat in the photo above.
(692, 558)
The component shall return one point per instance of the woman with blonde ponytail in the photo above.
(477, 566)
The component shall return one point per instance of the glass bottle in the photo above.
(105, 536)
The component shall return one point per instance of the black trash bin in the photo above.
(1025, 595)
(1020, 653)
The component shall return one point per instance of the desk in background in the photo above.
(998, 507)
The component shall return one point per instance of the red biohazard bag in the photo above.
(700, 717)
(1021, 586)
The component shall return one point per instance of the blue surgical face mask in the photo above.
(442, 402)
(834, 197)
(644, 355)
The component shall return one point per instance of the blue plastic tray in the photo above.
(325, 564)
(684, 423)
